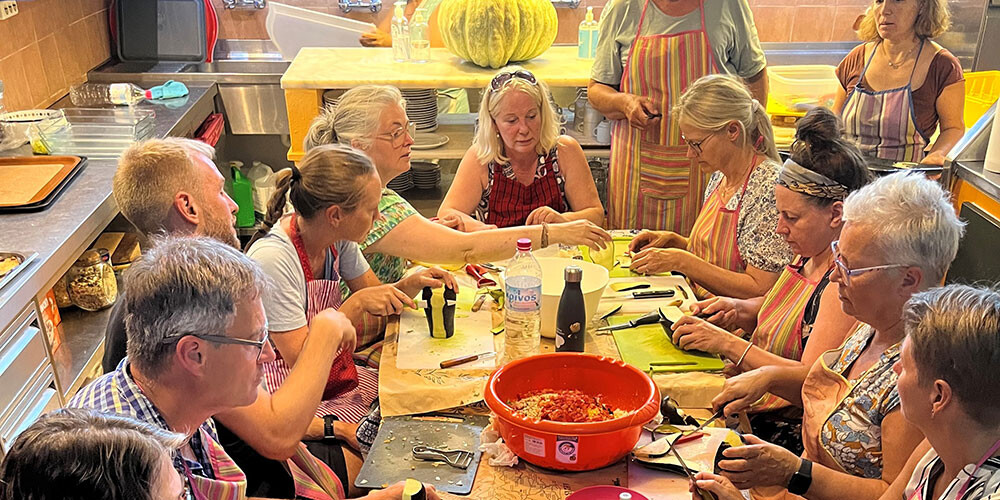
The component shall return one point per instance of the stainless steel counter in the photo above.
(60, 233)
(972, 171)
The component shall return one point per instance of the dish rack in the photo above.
(95, 133)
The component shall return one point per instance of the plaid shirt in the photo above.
(117, 393)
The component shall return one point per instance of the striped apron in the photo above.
(779, 321)
(652, 184)
(714, 234)
(313, 479)
(883, 124)
(349, 390)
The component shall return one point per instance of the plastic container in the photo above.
(595, 278)
(96, 133)
(243, 196)
(522, 314)
(91, 283)
(420, 42)
(587, 36)
(291, 28)
(793, 90)
(595, 444)
(400, 34)
(982, 88)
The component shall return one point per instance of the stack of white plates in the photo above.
(402, 182)
(422, 108)
(426, 175)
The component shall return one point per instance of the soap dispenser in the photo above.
(587, 41)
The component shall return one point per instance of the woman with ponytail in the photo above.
(822, 170)
(733, 248)
(335, 192)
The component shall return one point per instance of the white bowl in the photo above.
(595, 278)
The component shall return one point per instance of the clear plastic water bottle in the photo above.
(420, 42)
(400, 34)
(99, 94)
(522, 310)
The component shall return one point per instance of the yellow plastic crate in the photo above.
(982, 88)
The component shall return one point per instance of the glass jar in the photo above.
(91, 282)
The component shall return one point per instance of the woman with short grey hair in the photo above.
(900, 235)
(947, 390)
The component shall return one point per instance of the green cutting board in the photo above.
(648, 343)
(622, 270)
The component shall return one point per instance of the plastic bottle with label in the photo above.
(400, 34)
(587, 40)
(420, 42)
(522, 309)
(571, 318)
(99, 94)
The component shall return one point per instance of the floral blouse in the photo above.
(393, 210)
(853, 433)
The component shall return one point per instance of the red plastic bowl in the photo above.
(567, 445)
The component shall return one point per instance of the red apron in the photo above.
(714, 235)
(651, 182)
(511, 202)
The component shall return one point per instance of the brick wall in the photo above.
(49, 46)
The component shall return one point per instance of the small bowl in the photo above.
(572, 446)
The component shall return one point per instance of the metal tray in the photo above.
(52, 195)
(67, 167)
(10, 275)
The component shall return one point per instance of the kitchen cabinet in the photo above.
(27, 378)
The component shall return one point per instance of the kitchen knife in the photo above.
(705, 495)
(650, 318)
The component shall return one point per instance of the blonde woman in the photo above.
(899, 86)
(519, 170)
(373, 119)
(733, 248)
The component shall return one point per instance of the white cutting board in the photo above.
(419, 351)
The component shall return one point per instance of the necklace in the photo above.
(903, 59)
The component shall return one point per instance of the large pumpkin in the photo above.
(494, 32)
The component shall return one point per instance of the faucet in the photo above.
(244, 4)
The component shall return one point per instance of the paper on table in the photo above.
(419, 351)
(662, 485)
(612, 299)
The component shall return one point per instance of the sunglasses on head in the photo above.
(500, 80)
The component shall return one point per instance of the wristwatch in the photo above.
(328, 421)
(801, 479)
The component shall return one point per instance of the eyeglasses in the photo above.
(696, 145)
(220, 339)
(395, 137)
(849, 273)
(501, 79)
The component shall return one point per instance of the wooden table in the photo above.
(450, 388)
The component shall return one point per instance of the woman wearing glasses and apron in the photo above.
(649, 52)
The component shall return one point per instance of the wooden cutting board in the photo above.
(30, 179)
(650, 343)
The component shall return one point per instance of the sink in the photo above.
(238, 67)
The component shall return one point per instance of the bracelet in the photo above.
(545, 235)
(749, 345)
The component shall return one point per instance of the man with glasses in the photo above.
(197, 343)
(172, 186)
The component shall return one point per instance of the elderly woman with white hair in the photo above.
(900, 235)
(519, 170)
(373, 119)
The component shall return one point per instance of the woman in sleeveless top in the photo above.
(519, 170)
